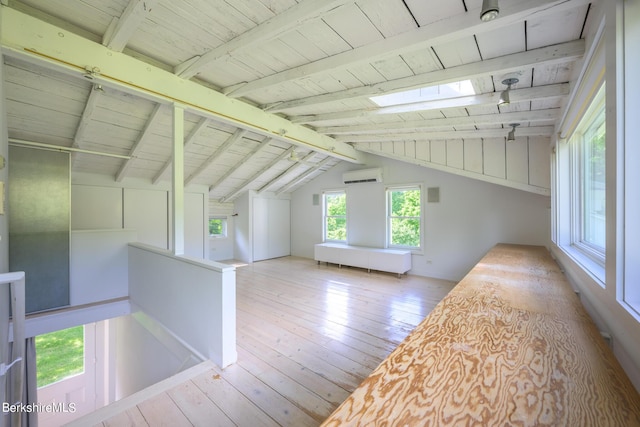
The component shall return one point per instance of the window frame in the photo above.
(326, 216)
(224, 222)
(389, 190)
(577, 141)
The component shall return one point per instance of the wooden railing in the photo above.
(510, 345)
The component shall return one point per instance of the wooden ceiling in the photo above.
(277, 91)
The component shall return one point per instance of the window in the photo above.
(335, 216)
(218, 226)
(588, 144)
(404, 220)
(59, 355)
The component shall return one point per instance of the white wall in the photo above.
(143, 354)
(99, 203)
(471, 217)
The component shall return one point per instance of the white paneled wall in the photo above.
(521, 164)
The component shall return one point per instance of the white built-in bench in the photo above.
(390, 260)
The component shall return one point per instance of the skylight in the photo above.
(431, 93)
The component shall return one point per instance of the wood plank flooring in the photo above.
(307, 336)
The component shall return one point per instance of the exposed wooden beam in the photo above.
(235, 137)
(54, 48)
(417, 125)
(144, 135)
(89, 107)
(442, 31)
(549, 55)
(285, 172)
(452, 134)
(270, 29)
(537, 93)
(257, 175)
(264, 144)
(195, 132)
(295, 181)
(121, 29)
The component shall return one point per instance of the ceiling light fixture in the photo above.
(512, 133)
(98, 88)
(490, 10)
(504, 96)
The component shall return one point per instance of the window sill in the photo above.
(591, 267)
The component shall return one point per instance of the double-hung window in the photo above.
(588, 145)
(335, 216)
(404, 217)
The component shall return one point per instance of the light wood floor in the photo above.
(308, 334)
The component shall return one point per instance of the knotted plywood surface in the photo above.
(510, 345)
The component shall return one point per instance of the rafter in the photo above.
(452, 134)
(537, 93)
(121, 29)
(287, 171)
(418, 125)
(55, 48)
(263, 145)
(257, 175)
(195, 132)
(81, 130)
(550, 55)
(295, 181)
(262, 33)
(442, 31)
(235, 137)
(144, 135)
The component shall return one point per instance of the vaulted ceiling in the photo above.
(274, 92)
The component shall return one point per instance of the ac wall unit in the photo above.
(362, 175)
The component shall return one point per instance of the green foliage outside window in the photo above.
(335, 216)
(404, 217)
(217, 227)
(59, 355)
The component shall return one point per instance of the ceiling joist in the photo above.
(550, 55)
(537, 93)
(442, 31)
(121, 29)
(452, 134)
(237, 136)
(263, 145)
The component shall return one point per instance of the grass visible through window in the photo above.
(59, 355)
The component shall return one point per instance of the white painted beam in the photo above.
(177, 181)
(144, 135)
(418, 125)
(452, 134)
(195, 132)
(235, 137)
(256, 175)
(550, 55)
(442, 31)
(295, 181)
(287, 171)
(121, 29)
(46, 45)
(89, 107)
(264, 144)
(270, 29)
(537, 93)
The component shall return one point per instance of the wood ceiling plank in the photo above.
(237, 136)
(503, 41)
(390, 17)
(427, 12)
(443, 31)
(353, 26)
(31, 40)
(267, 30)
(553, 54)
